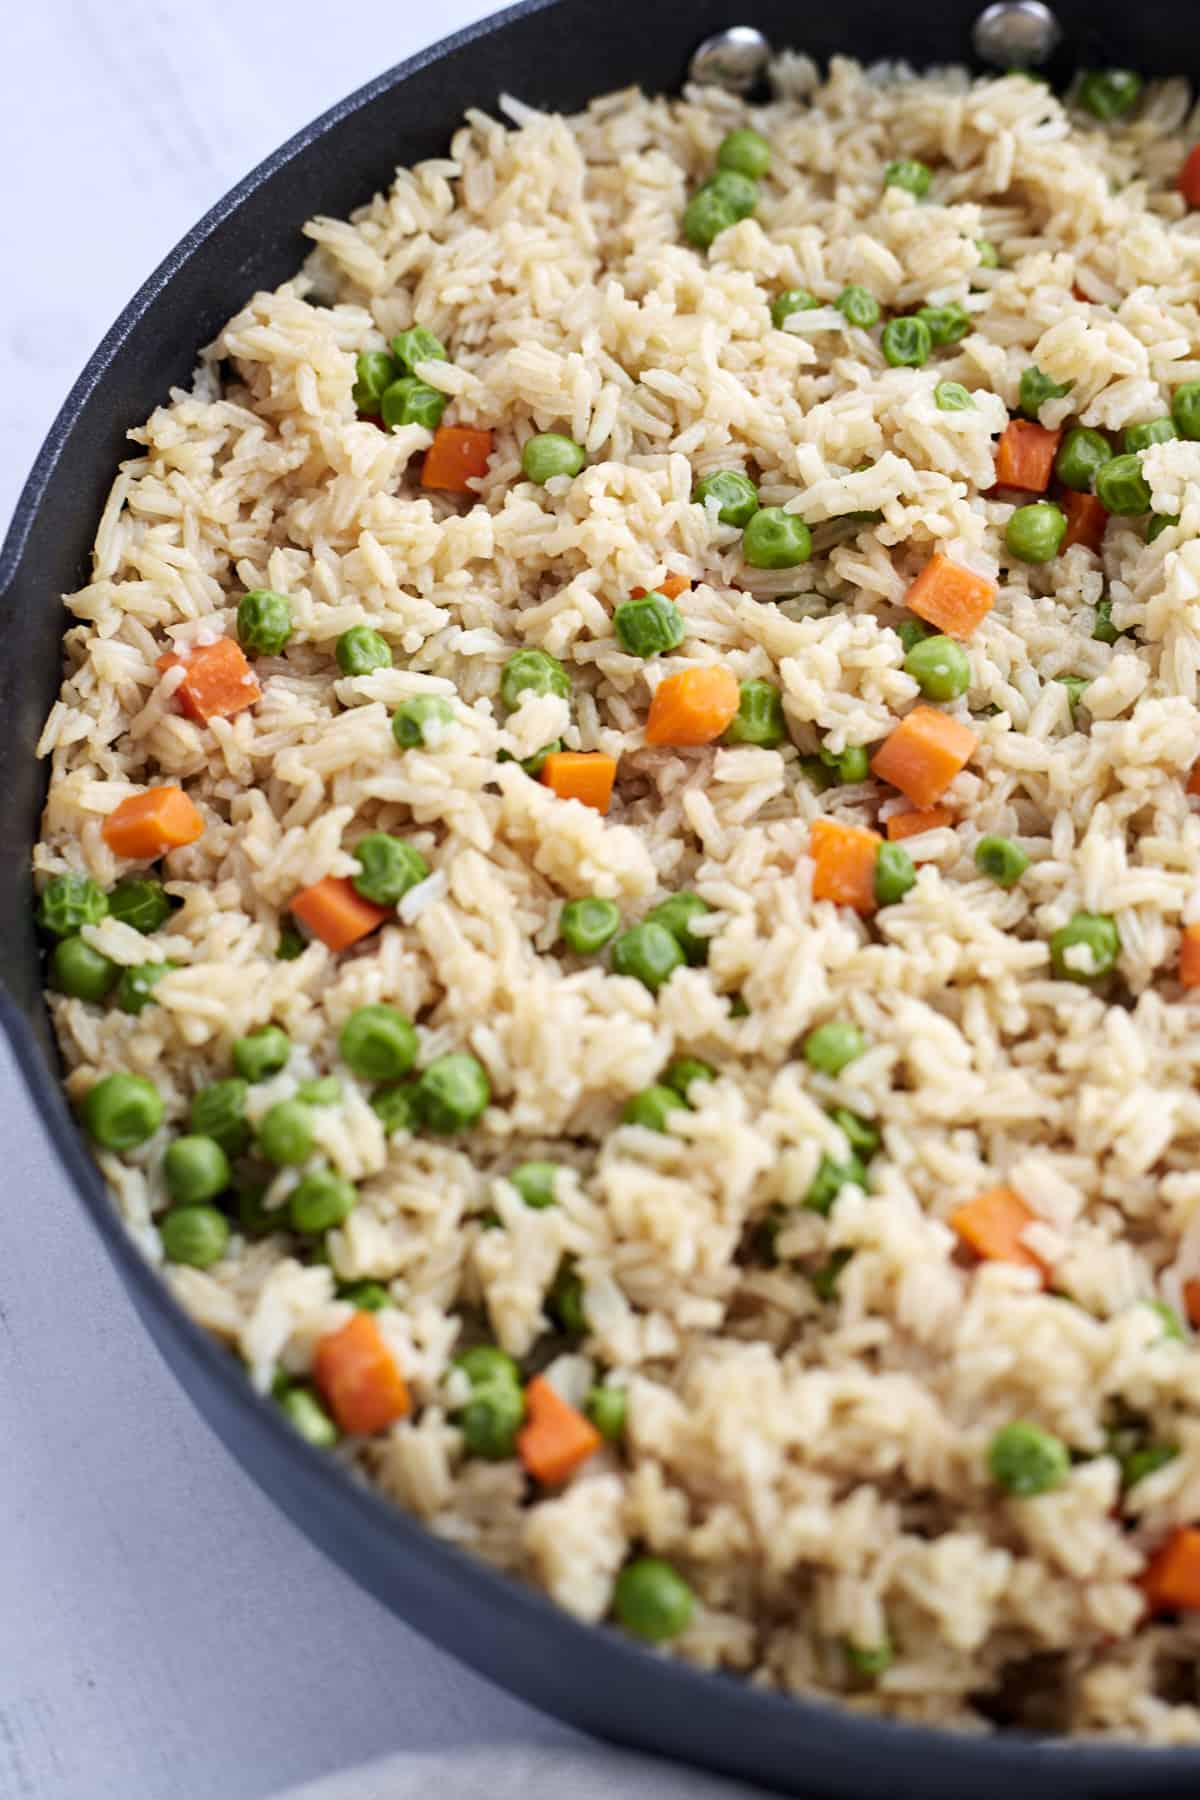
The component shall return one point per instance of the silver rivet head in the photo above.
(1016, 34)
(733, 59)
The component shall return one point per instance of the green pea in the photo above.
(219, 1111)
(534, 1181)
(1037, 388)
(264, 621)
(863, 1137)
(533, 765)
(831, 1177)
(914, 177)
(759, 718)
(565, 1302)
(1094, 934)
(1185, 409)
(817, 772)
(905, 342)
(452, 1093)
(1075, 685)
(1154, 431)
(360, 650)
(649, 952)
(135, 990)
(486, 1366)
(825, 1279)
(262, 1054)
(532, 672)
(396, 1107)
(195, 1235)
(989, 256)
(1107, 93)
(652, 1108)
(255, 1218)
(945, 324)
(834, 1045)
(952, 396)
(1023, 1459)
(421, 720)
(587, 924)
(940, 667)
(195, 1168)
(858, 307)
(490, 1420)
(775, 539)
(1001, 860)
(851, 765)
(745, 151)
(608, 1409)
(1158, 524)
(1080, 455)
(410, 401)
(1103, 630)
(735, 494)
(285, 1134)
(1121, 487)
(319, 1202)
(1172, 1324)
(1035, 533)
(706, 216)
(121, 1111)
(387, 868)
(416, 345)
(365, 1296)
(870, 1660)
(374, 371)
(548, 454)
(912, 631)
(323, 1090)
(141, 902)
(735, 190)
(1145, 1461)
(682, 1071)
(677, 914)
(81, 972)
(792, 300)
(291, 944)
(304, 1412)
(649, 625)
(69, 902)
(651, 1600)
(378, 1042)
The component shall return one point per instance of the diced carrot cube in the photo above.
(844, 858)
(671, 587)
(147, 825)
(1191, 1301)
(458, 455)
(336, 912)
(693, 706)
(1189, 956)
(1025, 456)
(581, 775)
(1189, 177)
(993, 1226)
(357, 1374)
(555, 1437)
(1086, 520)
(911, 824)
(951, 597)
(1171, 1582)
(923, 754)
(1193, 785)
(218, 681)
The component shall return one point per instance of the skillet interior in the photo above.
(250, 240)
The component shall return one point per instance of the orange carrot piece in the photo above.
(1025, 456)
(670, 587)
(693, 707)
(357, 1374)
(555, 1438)
(993, 1225)
(924, 754)
(457, 455)
(844, 859)
(1078, 293)
(147, 825)
(1193, 786)
(1086, 519)
(951, 597)
(1191, 1302)
(909, 824)
(336, 912)
(1171, 1582)
(1189, 177)
(218, 681)
(1189, 956)
(585, 775)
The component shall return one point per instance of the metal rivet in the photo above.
(733, 59)
(1016, 34)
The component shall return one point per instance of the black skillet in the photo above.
(553, 53)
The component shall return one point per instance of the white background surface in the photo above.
(163, 1632)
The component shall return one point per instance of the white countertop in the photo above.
(163, 1631)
